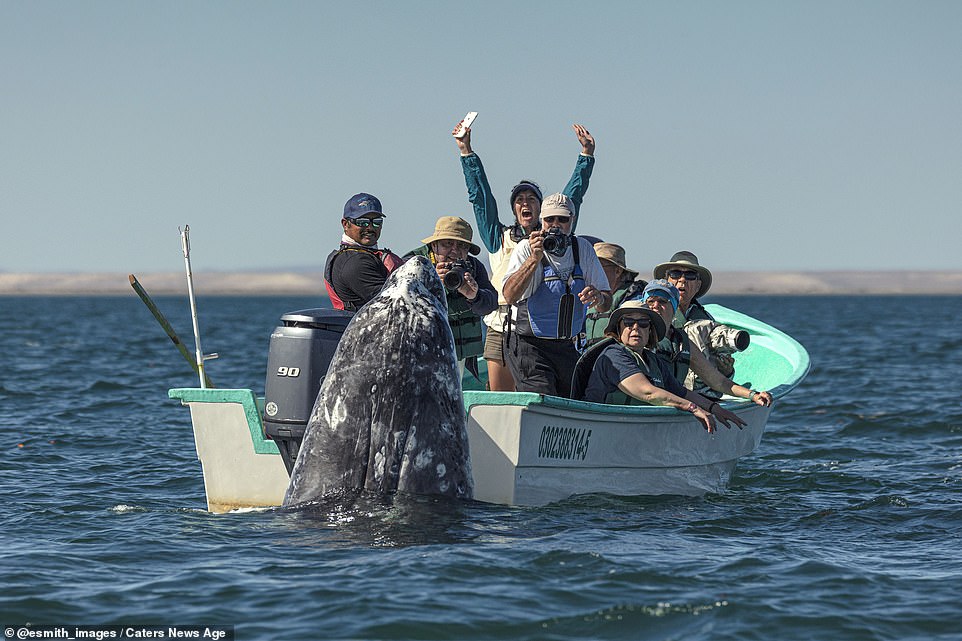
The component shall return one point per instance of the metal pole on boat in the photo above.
(198, 352)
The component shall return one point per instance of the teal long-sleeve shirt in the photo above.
(490, 229)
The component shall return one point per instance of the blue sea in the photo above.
(846, 523)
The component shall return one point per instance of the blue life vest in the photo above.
(554, 310)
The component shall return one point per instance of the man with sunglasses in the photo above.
(693, 281)
(551, 280)
(690, 366)
(501, 239)
(355, 272)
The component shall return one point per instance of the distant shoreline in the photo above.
(310, 283)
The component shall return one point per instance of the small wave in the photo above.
(126, 509)
(247, 510)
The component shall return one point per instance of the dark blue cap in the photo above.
(361, 205)
(526, 185)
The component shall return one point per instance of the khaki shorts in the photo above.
(494, 346)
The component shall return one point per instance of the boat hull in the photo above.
(242, 468)
(529, 449)
(539, 450)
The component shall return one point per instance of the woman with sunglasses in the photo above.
(626, 370)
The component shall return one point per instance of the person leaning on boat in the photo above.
(355, 272)
(628, 371)
(623, 283)
(716, 341)
(675, 348)
(470, 293)
(552, 278)
(501, 240)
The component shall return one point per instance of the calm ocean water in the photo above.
(846, 523)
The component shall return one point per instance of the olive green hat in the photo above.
(686, 260)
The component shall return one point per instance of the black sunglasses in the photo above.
(364, 223)
(689, 274)
(640, 322)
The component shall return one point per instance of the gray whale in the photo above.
(389, 416)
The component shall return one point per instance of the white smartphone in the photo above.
(468, 119)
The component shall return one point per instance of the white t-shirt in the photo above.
(563, 265)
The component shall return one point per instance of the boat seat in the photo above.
(579, 379)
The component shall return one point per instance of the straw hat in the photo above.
(614, 254)
(686, 260)
(453, 228)
(635, 306)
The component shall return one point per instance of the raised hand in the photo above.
(464, 142)
(586, 140)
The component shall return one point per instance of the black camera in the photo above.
(454, 277)
(556, 242)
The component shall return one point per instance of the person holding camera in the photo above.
(501, 239)
(551, 280)
(356, 271)
(470, 293)
(692, 280)
(716, 341)
(688, 365)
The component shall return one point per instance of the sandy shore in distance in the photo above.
(310, 283)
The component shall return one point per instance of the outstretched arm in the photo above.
(707, 372)
(640, 387)
(578, 184)
(479, 193)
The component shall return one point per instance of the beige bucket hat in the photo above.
(636, 306)
(686, 260)
(614, 254)
(453, 228)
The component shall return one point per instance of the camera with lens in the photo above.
(725, 339)
(556, 242)
(454, 277)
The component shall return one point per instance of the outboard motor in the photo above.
(301, 350)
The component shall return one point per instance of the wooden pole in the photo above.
(166, 326)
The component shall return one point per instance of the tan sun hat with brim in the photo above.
(686, 260)
(635, 306)
(453, 228)
(614, 254)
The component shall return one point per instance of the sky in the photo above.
(808, 135)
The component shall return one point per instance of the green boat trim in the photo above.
(252, 405)
(774, 361)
